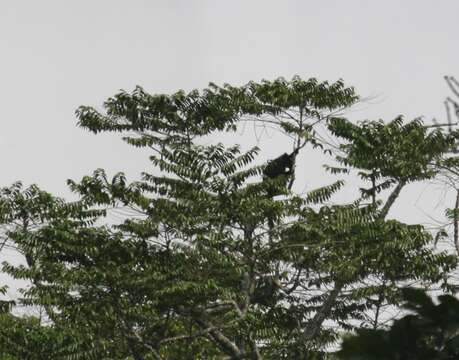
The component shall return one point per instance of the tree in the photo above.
(430, 332)
(216, 255)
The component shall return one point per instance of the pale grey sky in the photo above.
(56, 55)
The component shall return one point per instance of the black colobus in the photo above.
(281, 168)
(276, 175)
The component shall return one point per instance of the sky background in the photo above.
(57, 55)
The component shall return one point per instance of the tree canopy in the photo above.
(215, 255)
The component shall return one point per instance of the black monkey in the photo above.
(280, 168)
(276, 175)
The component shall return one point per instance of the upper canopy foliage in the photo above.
(164, 119)
(402, 152)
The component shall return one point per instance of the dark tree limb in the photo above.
(313, 327)
(390, 201)
(455, 223)
(225, 344)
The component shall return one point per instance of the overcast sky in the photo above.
(57, 55)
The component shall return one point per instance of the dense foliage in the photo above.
(429, 332)
(216, 256)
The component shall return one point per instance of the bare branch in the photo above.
(390, 201)
(450, 81)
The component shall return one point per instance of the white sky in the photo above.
(57, 55)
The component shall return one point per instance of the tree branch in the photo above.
(225, 344)
(390, 201)
(455, 223)
(450, 81)
(313, 327)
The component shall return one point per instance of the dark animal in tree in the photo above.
(276, 176)
(280, 170)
